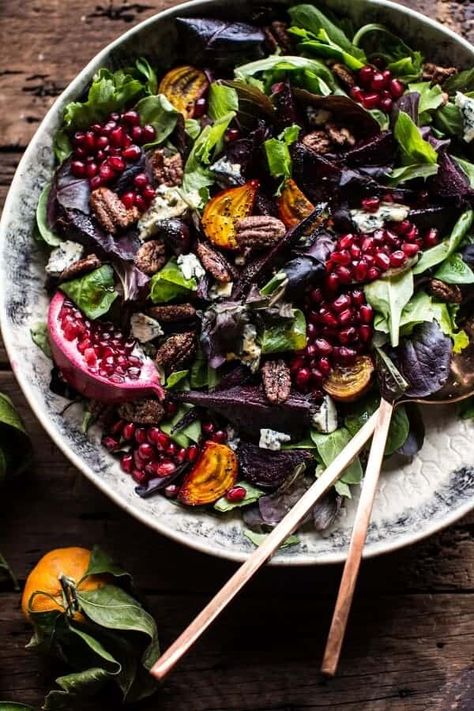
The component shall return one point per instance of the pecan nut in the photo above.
(449, 293)
(170, 313)
(82, 266)
(437, 74)
(277, 37)
(276, 380)
(259, 231)
(344, 75)
(176, 351)
(167, 169)
(317, 141)
(151, 257)
(340, 136)
(214, 263)
(142, 412)
(110, 211)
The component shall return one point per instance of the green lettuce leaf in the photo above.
(169, 283)
(284, 335)
(389, 296)
(187, 435)
(310, 18)
(310, 74)
(412, 172)
(222, 100)
(454, 270)
(431, 96)
(329, 446)
(253, 494)
(278, 155)
(362, 410)
(161, 114)
(413, 147)
(434, 256)
(93, 293)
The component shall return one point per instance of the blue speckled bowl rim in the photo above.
(75, 88)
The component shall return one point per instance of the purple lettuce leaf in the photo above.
(416, 435)
(223, 326)
(425, 360)
(282, 98)
(134, 282)
(326, 510)
(451, 183)
(268, 469)
(409, 102)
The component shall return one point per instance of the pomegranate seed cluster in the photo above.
(361, 258)
(105, 150)
(377, 88)
(104, 348)
(339, 329)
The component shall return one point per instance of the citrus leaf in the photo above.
(12, 706)
(83, 683)
(100, 563)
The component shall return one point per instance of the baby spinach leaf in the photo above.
(169, 283)
(310, 18)
(61, 145)
(431, 96)
(389, 296)
(322, 46)
(330, 445)
(145, 69)
(412, 172)
(93, 293)
(448, 119)
(454, 270)
(434, 256)
(399, 425)
(40, 336)
(278, 154)
(310, 74)
(425, 360)
(222, 100)
(258, 538)
(252, 495)
(184, 436)
(463, 81)
(378, 41)
(413, 147)
(175, 378)
(42, 223)
(161, 114)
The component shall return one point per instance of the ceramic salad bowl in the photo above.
(416, 497)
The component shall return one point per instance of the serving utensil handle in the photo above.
(359, 534)
(264, 551)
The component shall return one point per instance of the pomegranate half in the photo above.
(97, 359)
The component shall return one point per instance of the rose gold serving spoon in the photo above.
(459, 387)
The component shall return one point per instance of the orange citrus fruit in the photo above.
(45, 580)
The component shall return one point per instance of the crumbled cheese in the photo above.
(250, 351)
(317, 117)
(63, 256)
(144, 328)
(233, 440)
(190, 266)
(466, 105)
(232, 171)
(271, 439)
(221, 291)
(325, 419)
(387, 212)
(167, 203)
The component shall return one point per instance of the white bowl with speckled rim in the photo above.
(414, 500)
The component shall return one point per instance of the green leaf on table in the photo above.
(43, 230)
(101, 563)
(284, 334)
(454, 270)
(330, 445)
(413, 147)
(389, 296)
(161, 114)
(222, 100)
(15, 445)
(170, 283)
(252, 495)
(434, 256)
(40, 337)
(93, 293)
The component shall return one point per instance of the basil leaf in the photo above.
(222, 100)
(330, 445)
(161, 114)
(389, 296)
(40, 336)
(442, 251)
(169, 283)
(42, 226)
(413, 147)
(412, 172)
(454, 270)
(93, 293)
(285, 335)
(252, 495)
(310, 18)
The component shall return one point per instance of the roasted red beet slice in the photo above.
(268, 469)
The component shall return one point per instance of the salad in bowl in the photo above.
(247, 249)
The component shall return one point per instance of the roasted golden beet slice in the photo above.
(348, 383)
(214, 473)
(183, 86)
(293, 205)
(223, 212)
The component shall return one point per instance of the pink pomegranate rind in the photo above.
(111, 373)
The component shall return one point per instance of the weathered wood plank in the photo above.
(400, 654)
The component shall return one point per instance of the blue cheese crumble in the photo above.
(190, 266)
(272, 439)
(387, 212)
(63, 257)
(466, 105)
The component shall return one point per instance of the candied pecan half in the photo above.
(259, 231)
(276, 380)
(449, 293)
(167, 169)
(151, 257)
(437, 74)
(318, 141)
(143, 412)
(340, 136)
(215, 263)
(344, 75)
(277, 36)
(170, 313)
(82, 266)
(176, 351)
(110, 210)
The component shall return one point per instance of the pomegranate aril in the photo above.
(89, 140)
(131, 117)
(78, 169)
(343, 274)
(343, 257)
(116, 163)
(132, 153)
(303, 377)
(140, 203)
(347, 335)
(91, 169)
(410, 249)
(345, 317)
(347, 354)
(96, 182)
(232, 134)
(316, 377)
(128, 199)
(171, 491)
(324, 348)
(139, 477)
(382, 261)
(128, 431)
(332, 282)
(386, 104)
(346, 241)
(146, 451)
(165, 468)
(366, 313)
(370, 100)
(126, 463)
(200, 106)
(106, 172)
(324, 367)
(136, 134)
(360, 271)
(365, 75)
(328, 319)
(368, 245)
(208, 428)
(236, 494)
(378, 81)
(79, 138)
(357, 93)
(355, 251)
(220, 437)
(141, 180)
(181, 456)
(90, 356)
(431, 238)
(316, 295)
(396, 88)
(373, 273)
(148, 193)
(109, 443)
(192, 452)
(365, 333)
(140, 435)
(370, 204)
(116, 136)
(398, 259)
(148, 133)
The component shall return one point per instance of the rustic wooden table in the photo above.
(410, 639)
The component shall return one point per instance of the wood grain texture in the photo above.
(409, 643)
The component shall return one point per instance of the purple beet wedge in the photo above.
(97, 359)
